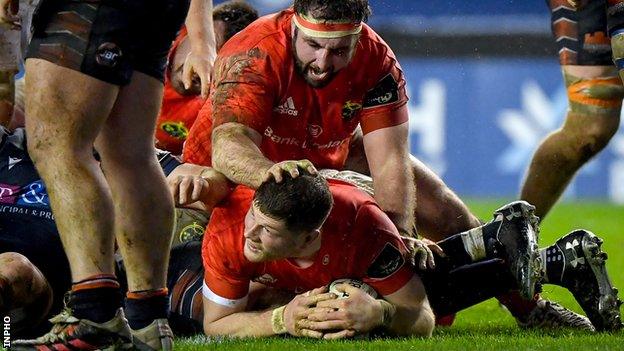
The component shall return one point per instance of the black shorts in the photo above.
(185, 278)
(107, 39)
(583, 36)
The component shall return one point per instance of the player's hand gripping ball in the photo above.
(354, 283)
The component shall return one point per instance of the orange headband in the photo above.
(323, 29)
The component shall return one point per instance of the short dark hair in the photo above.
(236, 14)
(334, 10)
(303, 202)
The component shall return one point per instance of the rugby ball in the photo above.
(354, 283)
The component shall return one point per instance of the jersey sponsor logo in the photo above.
(287, 108)
(34, 195)
(20, 210)
(386, 263)
(8, 193)
(175, 129)
(315, 130)
(269, 133)
(349, 109)
(385, 92)
(13, 161)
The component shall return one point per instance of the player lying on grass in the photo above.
(301, 234)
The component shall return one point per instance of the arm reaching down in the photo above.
(387, 152)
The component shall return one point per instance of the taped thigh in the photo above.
(595, 96)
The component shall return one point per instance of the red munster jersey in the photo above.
(256, 84)
(358, 241)
(177, 113)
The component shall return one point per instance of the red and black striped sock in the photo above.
(96, 298)
(143, 307)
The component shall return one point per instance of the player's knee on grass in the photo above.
(26, 295)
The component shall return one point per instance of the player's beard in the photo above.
(304, 69)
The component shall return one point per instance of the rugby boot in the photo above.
(577, 263)
(71, 333)
(514, 239)
(156, 336)
(551, 315)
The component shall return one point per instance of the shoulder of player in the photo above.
(371, 42)
(266, 34)
(229, 215)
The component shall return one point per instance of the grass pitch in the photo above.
(487, 326)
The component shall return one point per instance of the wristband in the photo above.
(277, 320)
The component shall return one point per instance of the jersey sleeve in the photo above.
(385, 104)
(385, 262)
(197, 148)
(224, 280)
(243, 89)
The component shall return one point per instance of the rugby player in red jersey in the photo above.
(315, 84)
(301, 234)
(180, 105)
(296, 85)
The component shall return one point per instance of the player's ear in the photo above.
(312, 236)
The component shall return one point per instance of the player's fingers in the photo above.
(198, 185)
(334, 303)
(291, 168)
(324, 325)
(437, 249)
(173, 184)
(307, 166)
(430, 259)
(421, 257)
(277, 174)
(205, 84)
(310, 333)
(346, 288)
(343, 334)
(318, 290)
(326, 314)
(268, 176)
(315, 299)
(185, 183)
(187, 72)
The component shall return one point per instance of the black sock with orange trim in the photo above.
(96, 298)
(143, 307)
